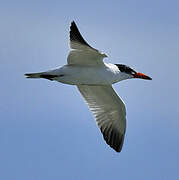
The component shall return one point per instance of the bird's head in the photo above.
(131, 73)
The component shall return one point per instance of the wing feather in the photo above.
(82, 53)
(76, 39)
(109, 111)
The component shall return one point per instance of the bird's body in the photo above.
(106, 74)
(94, 78)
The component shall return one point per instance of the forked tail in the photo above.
(33, 75)
(41, 75)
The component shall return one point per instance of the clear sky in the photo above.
(46, 129)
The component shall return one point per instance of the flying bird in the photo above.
(94, 78)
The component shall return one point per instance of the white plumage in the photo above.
(94, 78)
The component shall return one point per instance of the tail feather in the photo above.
(33, 75)
(41, 75)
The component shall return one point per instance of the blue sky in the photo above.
(47, 131)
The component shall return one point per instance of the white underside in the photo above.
(106, 74)
(86, 69)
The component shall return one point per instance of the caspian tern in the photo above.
(94, 78)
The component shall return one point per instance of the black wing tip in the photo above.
(117, 147)
(73, 29)
(114, 139)
(76, 36)
(73, 25)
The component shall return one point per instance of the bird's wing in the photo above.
(82, 53)
(109, 111)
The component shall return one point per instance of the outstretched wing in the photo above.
(82, 53)
(76, 39)
(109, 111)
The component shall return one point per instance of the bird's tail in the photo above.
(41, 75)
(33, 75)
